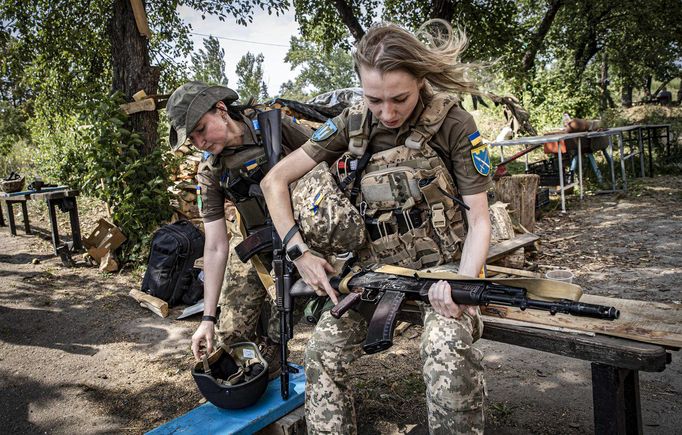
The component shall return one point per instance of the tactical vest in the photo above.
(240, 174)
(406, 194)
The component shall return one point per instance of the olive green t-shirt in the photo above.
(451, 142)
(212, 170)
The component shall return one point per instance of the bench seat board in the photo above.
(645, 321)
(209, 419)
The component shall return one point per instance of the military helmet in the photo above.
(188, 104)
(232, 377)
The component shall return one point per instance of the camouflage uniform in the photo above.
(452, 368)
(242, 294)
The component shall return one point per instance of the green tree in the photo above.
(208, 65)
(62, 62)
(320, 71)
(250, 77)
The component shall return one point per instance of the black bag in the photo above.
(174, 249)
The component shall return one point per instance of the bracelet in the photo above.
(209, 318)
(290, 234)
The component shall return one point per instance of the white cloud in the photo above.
(268, 34)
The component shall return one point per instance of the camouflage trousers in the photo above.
(241, 299)
(452, 371)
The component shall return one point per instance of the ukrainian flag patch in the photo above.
(325, 131)
(251, 164)
(479, 154)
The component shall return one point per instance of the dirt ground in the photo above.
(77, 355)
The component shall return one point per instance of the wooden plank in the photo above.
(508, 246)
(645, 321)
(602, 349)
(291, 424)
(154, 304)
(510, 271)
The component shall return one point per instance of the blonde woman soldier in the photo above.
(233, 163)
(410, 118)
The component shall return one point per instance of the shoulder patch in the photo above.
(479, 154)
(325, 131)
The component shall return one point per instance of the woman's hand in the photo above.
(202, 340)
(313, 270)
(440, 297)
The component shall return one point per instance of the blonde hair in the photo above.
(432, 54)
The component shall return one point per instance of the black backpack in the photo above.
(169, 274)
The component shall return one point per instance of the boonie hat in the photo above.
(188, 104)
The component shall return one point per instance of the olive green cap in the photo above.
(188, 104)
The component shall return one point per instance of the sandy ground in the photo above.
(77, 355)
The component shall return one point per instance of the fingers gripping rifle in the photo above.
(270, 124)
(387, 293)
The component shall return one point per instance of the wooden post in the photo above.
(519, 192)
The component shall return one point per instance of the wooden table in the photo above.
(66, 201)
(10, 199)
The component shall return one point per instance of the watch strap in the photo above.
(209, 318)
(289, 235)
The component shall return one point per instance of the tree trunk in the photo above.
(626, 96)
(647, 86)
(349, 19)
(519, 192)
(539, 36)
(443, 9)
(132, 72)
(605, 101)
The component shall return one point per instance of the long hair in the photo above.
(433, 54)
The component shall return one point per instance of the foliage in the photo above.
(250, 72)
(321, 72)
(637, 40)
(55, 70)
(208, 65)
(101, 157)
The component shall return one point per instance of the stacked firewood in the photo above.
(184, 187)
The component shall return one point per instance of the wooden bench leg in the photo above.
(616, 402)
(24, 211)
(2, 218)
(53, 224)
(10, 219)
(72, 206)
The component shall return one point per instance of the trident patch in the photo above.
(325, 131)
(479, 154)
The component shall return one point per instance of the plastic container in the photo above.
(563, 275)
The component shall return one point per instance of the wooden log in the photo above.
(513, 272)
(519, 192)
(153, 304)
(504, 248)
(502, 229)
(146, 105)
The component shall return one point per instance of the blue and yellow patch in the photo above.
(315, 204)
(325, 131)
(479, 154)
(251, 164)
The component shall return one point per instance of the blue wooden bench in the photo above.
(209, 419)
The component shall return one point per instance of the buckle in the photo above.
(438, 215)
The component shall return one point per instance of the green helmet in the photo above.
(188, 104)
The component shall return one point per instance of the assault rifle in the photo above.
(385, 293)
(270, 124)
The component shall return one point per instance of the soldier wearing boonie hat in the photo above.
(233, 160)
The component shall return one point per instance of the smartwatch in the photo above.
(297, 251)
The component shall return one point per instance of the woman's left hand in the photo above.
(440, 297)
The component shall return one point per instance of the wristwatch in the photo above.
(296, 251)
